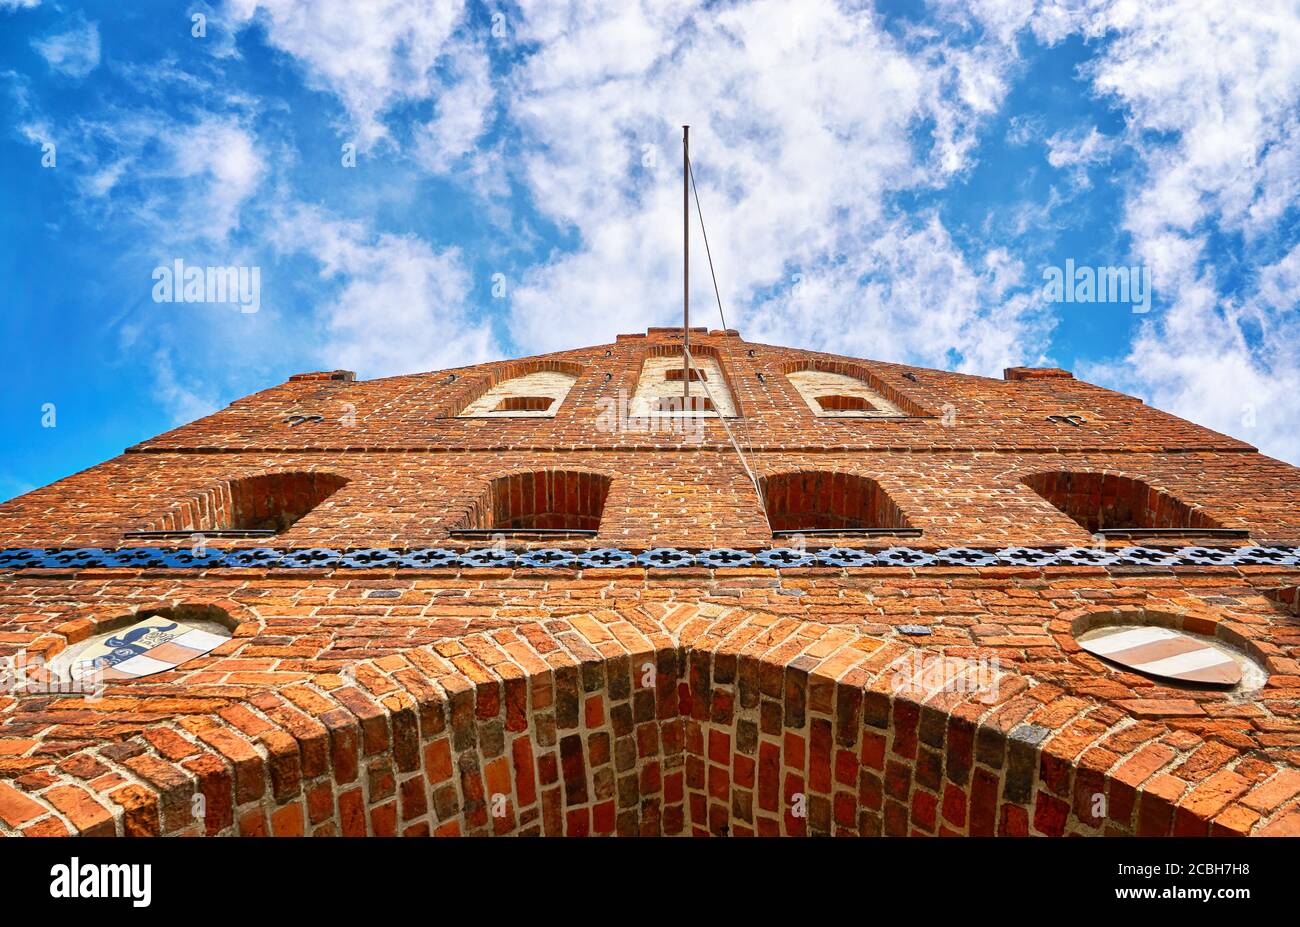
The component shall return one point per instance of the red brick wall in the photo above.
(331, 711)
(409, 413)
(656, 499)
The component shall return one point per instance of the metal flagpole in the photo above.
(686, 270)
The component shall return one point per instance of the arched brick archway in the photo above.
(696, 720)
(663, 720)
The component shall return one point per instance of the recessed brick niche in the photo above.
(270, 501)
(823, 500)
(1106, 500)
(544, 499)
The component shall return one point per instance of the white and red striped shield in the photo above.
(1165, 653)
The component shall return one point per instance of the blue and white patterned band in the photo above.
(663, 557)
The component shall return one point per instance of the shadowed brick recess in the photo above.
(271, 501)
(547, 500)
(821, 500)
(672, 668)
(1107, 500)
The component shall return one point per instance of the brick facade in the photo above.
(754, 700)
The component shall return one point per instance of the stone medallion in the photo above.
(1164, 653)
(149, 646)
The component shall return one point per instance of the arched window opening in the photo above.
(660, 388)
(532, 395)
(839, 395)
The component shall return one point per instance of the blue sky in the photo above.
(888, 180)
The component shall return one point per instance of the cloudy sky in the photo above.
(429, 184)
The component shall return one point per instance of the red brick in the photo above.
(1050, 815)
(1287, 825)
(286, 821)
(954, 806)
(352, 813)
(90, 818)
(320, 802)
(383, 820)
(1274, 793)
(16, 808)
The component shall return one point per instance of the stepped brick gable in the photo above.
(537, 597)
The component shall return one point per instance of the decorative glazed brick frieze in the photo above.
(514, 508)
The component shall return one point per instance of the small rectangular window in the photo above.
(676, 405)
(524, 404)
(845, 404)
(676, 373)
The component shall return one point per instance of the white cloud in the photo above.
(805, 119)
(1279, 283)
(1023, 129)
(179, 179)
(795, 156)
(1080, 150)
(1210, 92)
(371, 57)
(218, 38)
(1227, 364)
(188, 181)
(222, 156)
(9, 5)
(1220, 84)
(1224, 79)
(181, 173)
(462, 105)
(908, 293)
(402, 306)
(75, 52)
